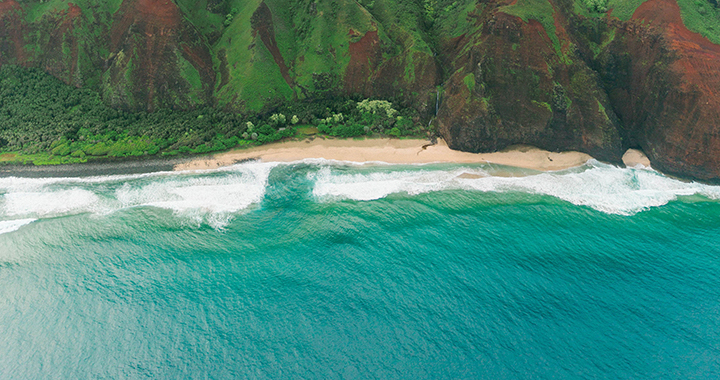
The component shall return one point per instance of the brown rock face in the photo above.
(664, 83)
(602, 87)
(413, 74)
(510, 85)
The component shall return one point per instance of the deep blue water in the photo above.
(330, 270)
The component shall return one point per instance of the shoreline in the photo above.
(92, 169)
(392, 151)
(386, 150)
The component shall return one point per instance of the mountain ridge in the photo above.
(589, 75)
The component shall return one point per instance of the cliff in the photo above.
(598, 76)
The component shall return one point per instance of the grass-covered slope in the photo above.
(275, 51)
(141, 54)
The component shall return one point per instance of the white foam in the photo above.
(201, 195)
(7, 226)
(603, 187)
(226, 194)
(215, 196)
(50, 203)
(376, 185)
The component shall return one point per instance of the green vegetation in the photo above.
(702, 17)
(607, 39)
(469, 81)
(599, 6)
(699, 16)
(622, 9)
(206, 15)
(543, 12)
(367, 118)
(44, 121)
(37, 9)
(452, 17)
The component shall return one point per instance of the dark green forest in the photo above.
(44, 121)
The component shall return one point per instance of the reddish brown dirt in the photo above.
(699, 58)
(12, 32)
(560, 31)
(263, 26)
(364, 56)
(8, 5)
(158, 18)
(73, 11)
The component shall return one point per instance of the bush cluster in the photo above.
(599, 6)
(368, 117)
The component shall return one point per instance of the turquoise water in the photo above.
(322, 269)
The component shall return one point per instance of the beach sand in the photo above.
(393, 151)
(634, 158)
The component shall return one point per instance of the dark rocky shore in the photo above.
(100, 168)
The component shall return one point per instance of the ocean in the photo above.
(323, 269)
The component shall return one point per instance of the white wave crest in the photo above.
(204, 196)
(8, 226)
(600, 186)
(211, 194)
(51, 202)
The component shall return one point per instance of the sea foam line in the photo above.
(213, 196)
(603, 187)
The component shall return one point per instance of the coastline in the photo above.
(386, 150)
(393, 151)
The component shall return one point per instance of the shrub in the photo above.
(597, 5)
(376, 106)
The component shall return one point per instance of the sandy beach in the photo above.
(391, 151)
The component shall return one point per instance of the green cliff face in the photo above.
(237, 54)
(592, 75)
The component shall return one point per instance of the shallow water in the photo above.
(321, 269)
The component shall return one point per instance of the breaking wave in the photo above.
(603, 187)
(215, 197)
(7, 226)
(209, 196)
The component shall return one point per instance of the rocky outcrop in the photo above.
(511, 85)
(13, 30)
(664, 83)
(599, 85)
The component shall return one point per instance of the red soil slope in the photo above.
(364, 55)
